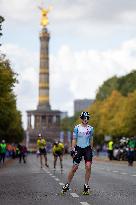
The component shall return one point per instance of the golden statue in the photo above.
(44, 19)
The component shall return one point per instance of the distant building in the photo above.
(81, 105)
(63, 115)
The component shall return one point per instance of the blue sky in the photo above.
(91, 40)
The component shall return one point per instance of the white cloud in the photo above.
(19, 11)
(73, 75)
(83, 72)
(79, 11)
(25, 64)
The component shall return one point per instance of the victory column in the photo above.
(46, 121)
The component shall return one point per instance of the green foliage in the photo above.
(1, 20)
(127, 83)
(130, 114)
(10, 118)
(114, 110)
(68, 123)
(117, 106)
(124, 85)
(106, 89)
(114, 116)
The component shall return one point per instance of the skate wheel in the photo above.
(62, 192)
(85, 193)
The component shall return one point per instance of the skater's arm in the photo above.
(73, 143)
(75, 136)
(72, 152)
(91, 142)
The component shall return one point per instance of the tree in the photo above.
(1, 20)
(109, 116)
(10, 118)
(106, 89)
(95, 121)
(68, 123)
(124, 85)
(130, 114)
(127, 83)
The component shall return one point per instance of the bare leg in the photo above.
(55, 161)
(69, 178)
(88, 172)
(71, 173)
(41, 160)
(61, 158)
(45, 157)
(3, 158)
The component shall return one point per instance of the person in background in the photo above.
(58, 151)
(110, 150)
(9, 150)
(41, 143)
(131, 150)
(3, 150)
(98, 150)
(22, 153)
(13, 151)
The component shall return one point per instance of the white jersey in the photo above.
(83, 135)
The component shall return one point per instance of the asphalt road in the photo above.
(23, 184)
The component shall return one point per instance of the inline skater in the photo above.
(41, 143)
(58, 150)
(82, 145)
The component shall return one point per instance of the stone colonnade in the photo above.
(37, 121)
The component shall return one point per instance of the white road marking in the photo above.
(57, 179)
(46, 170)
(61, 184)
(123, 173)
(84, 203)
(74, 195)
(115, 171)
(133, 175)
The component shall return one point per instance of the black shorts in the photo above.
(57, 154)
(83, 152)
(42, 151)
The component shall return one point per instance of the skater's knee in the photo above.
(75, 167)
(88, 165)
(60, 159)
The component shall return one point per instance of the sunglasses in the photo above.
(85, 118)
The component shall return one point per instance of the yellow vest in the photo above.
(110, 145)
(58, 148)
(41, 143)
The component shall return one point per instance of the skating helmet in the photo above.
(85, 115)
(56, 142)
